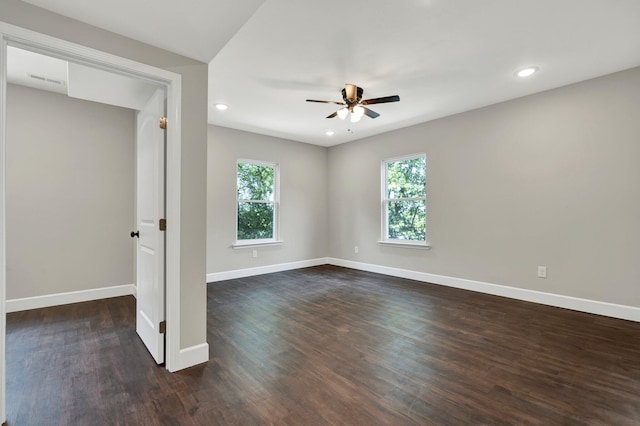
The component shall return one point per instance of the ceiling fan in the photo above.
(354, 104)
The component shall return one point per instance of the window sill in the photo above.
(254, 243)
(406, 244)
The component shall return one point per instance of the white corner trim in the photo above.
(192, 355)
(279, 267)
(631, 313)
(47, 300)
(3, 228)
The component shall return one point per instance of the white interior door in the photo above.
(150, 279)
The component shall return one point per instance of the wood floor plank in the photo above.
(330, 346)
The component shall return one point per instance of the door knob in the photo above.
(135, 234)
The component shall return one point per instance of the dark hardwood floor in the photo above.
(330, 345)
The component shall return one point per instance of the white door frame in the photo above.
(10, 34)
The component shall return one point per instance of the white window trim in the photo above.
(256, 243)
(392, 242)
(406, 243)
(275, 241)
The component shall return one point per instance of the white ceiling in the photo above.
(197, 29)
(441, 57)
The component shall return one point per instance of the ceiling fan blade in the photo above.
(333, 115)
(384, 100)
(369, 113)
(326, 102)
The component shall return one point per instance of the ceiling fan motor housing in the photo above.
(352, 94)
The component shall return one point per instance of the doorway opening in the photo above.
(170, 83)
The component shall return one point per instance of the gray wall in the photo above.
(303, 199)
(194, 144)
(70, 193)
(550, 179)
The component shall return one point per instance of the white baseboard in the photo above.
(193, 355)
(630, 313)
(249, 272)
(23, 304)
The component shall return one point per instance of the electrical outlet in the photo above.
(355, 249)
(542, 272)
(255, 253)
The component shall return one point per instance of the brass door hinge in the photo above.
(163, 327)
(163, 122)
(163, 224)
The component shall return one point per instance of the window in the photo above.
(257, 203)
(404, 200)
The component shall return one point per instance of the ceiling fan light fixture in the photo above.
(355, 118)
(353, 103)
(356, 113)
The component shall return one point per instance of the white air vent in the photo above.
(45, 79)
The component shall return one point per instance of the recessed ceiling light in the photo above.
(221, 107)
(526, 72)
(329, 133)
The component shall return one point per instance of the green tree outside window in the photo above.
(256, 201)
(405, 202)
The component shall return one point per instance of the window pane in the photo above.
(255, 221)
(407, 220)
(255, 182)
(406, 178)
